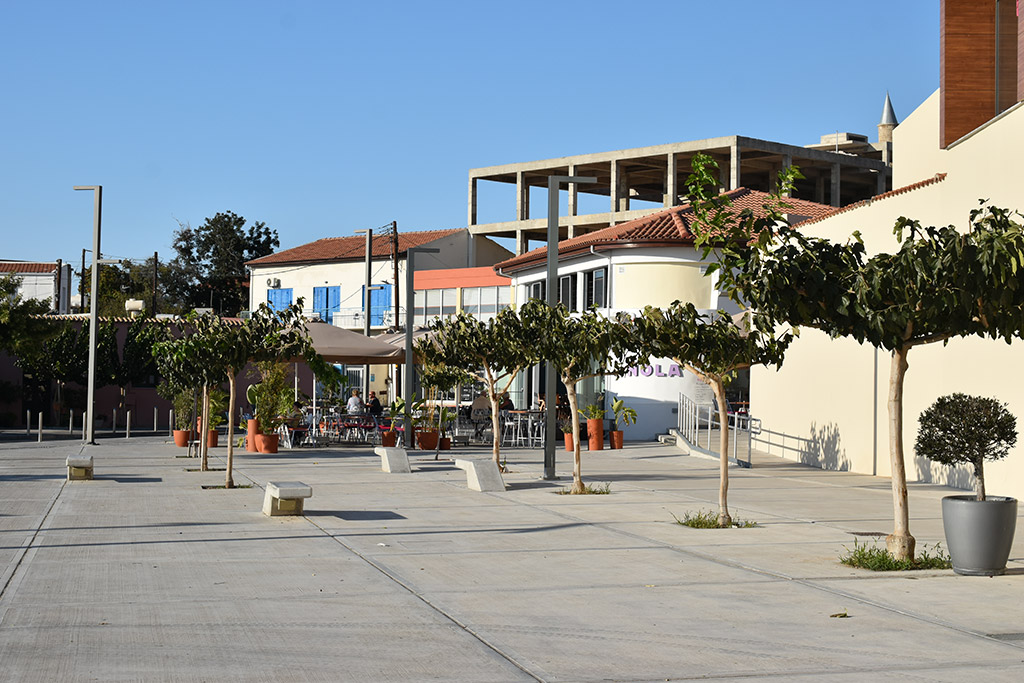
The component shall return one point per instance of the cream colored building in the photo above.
(830, 397)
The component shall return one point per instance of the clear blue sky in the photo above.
(323, 117)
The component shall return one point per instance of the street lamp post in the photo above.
(94, 285)
(366, 304)
(410, 255)
(550, 379)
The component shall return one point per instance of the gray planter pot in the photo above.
(979, 533)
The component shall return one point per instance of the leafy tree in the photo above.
(134, 280)
(19, 328)
(579, 346)
(210, 265)
(966, 429)
(713, 347)
(941, 283)
(492, 352)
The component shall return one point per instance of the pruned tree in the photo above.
(578, 345)
(493, 352)
(714, 347)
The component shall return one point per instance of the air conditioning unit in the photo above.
(273, 282)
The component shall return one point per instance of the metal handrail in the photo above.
(697, 420)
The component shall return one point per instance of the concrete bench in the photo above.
(79, 467)
(482, 475)
(393, 459)
(285, 497)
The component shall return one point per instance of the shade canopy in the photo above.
(338, 345)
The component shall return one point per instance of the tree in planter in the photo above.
(579, 346)
(941, 283)
(493, 352)
(621, 415)
(961, 429)
(273, 398)
(713, 347)
(441, 379)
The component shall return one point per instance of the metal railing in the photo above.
(352, 317)
(699, 425)
(798, 445)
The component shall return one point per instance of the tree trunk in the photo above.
(495, 426)
(724, 519)
(204, 462)
(577, 470)
(979, 475)
(899, 543)
(229, 482)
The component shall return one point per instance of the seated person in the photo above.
(355, 405)
(506, 403)
(374, 406)
(540, 401)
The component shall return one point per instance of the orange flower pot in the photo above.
(389, 439)
(615, 438)
(267, 443)
(251, 430)
(182, 437)
(595, 434)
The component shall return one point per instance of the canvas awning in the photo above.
(338, 345)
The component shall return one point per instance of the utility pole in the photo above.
(156, 268)
(81, 283)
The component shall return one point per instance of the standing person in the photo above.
(374, 406)
(355, 405)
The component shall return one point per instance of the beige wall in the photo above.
(659, 284)
(827, 386)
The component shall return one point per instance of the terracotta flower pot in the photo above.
(182, 437)
(615, 438)
(568, 440)
(445, 443)
(267, 443)
(595, 434)
(252, 429)
(211, 438)
(389, 439)
(427, 439)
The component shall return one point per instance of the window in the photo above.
(567, 291)
(448, 302)
(537, 290)
(279, 299)
(418, 317)
(327, 302)
(471, 300)
(504, 298)
(595, 288)
(433, 303)
(488, 302)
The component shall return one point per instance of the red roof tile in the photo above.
(938, 177)
(25, 267)
(668, 227)
(350, 248)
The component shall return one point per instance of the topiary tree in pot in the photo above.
(962, 429)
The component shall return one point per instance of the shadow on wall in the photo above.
(824, 449)
(958, 476)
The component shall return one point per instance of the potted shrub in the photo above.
(962, 429)
(445, 418)
(273, 403)
(623, 415)
(595, 426)
(218, 406)
(565, 424)
(183, 403)
(252, 425)
(395, 410)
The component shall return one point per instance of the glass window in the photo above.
(504, 298)
(567, 291)
(537, 290)
(596, 288)
(433, 303)
(448, 302)
(471, 300)
(488, 300)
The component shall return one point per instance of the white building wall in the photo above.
(830, 392)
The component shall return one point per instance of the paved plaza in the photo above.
(143, 575)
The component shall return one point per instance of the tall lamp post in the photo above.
(90, 436)
(410, 259)
(550, 379)
(366, 303)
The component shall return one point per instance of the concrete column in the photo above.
(723, 177)
(671, 193)
(787, 162)
(522, 197)
(734, 167)
(471, 220)
(881, 183)
(573, 193)
(522, 242)
(613, 186)
(623, 191)
(835, 184)
(819, 188)
(571, 231)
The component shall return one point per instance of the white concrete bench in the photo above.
(79, 467)
(482, 475)
(393, 459)
(285, 497)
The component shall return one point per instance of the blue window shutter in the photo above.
(380, 301)
(279, 299)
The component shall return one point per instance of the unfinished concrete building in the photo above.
(842, 168)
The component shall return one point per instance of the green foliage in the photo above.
(565, 424)
(211, 260)
(272, 394)
(593, 412)
(623, 414)
(962, 429)
(218, 407)
(396, 409)
(20, 330)
(878, 559)
(706, 519)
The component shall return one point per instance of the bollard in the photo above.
(28, 423)
(40, 439)
(84, 413)
(170, 422)
(71, 422)
(128, 425)
(113, 422)
(154, 419)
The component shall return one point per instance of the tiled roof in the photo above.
(26, 267)
(350, 248)
(938, 177)
(668, 227)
